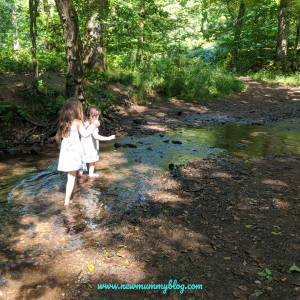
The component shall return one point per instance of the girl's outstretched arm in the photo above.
(58, 140)
(99, 137)
(86, 132)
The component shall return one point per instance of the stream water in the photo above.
(42, 243)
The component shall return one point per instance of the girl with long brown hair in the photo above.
(71, 157)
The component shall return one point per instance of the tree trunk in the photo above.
(46, 6)
(204, 24)
(283, 32)
(237, 34)
(94, 37)
(15, 34)
(141, 33)
(69, 21)
(296, 42)
(33, 6)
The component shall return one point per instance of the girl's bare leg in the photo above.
(70, 186)
(75, 189)
(91, 170)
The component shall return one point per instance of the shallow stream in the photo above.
(37, 231)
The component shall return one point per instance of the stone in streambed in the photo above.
(129, 145)
(117, 145)
(206, 250)
(140, 121)
(177, 142)
(254, 296)
(155, 211)
(7, 151)
(35, 151)
(171, 166)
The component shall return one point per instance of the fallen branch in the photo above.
(196, 190)
(35, 123)
(26, 135)
(50, 131)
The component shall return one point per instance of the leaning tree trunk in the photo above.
(33, 6)
(283, 32)
(94, 37)
(69, 21)
(237, 34)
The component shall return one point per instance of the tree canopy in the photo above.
(162, 44)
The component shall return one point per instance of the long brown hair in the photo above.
(90, 112)
(71, 110)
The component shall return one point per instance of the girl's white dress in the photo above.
(71, 156)
(90, 147)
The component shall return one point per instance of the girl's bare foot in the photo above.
(68, 202)
(94, 175)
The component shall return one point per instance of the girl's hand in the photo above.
(112, 137)
(96, 123)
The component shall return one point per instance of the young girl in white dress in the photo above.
(71, 157)
(90, 144)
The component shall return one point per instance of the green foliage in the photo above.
(94, 84)
(266, 274)
(20, 61)
(294, 268)
(188, 79)
(9, 111)
(43, 99)
(15, 61)
(51, 61)
(55, 106)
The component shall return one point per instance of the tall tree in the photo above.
(238, 23)
(283, 31)
(141, 32)
(94, 37)
(33, 6)
(69, 21)
(296, 45)
(204, 23)
(46, 6)
(15, 34)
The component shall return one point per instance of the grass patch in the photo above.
(276, 77)
(187, 79)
